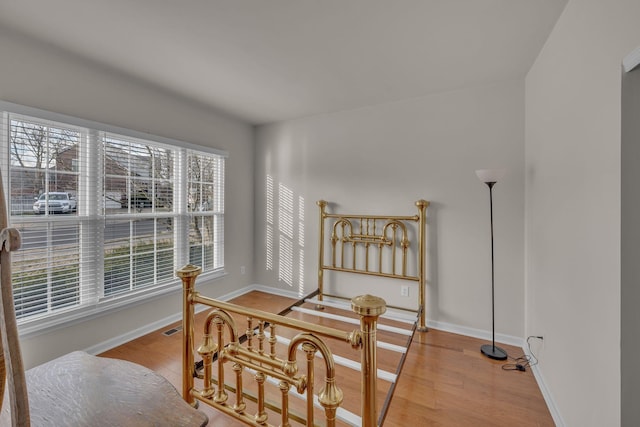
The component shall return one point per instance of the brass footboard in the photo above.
(221, 345)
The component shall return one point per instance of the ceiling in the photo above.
(274, 60)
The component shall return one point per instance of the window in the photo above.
(206, 185)
(106, 217)
(139, 182)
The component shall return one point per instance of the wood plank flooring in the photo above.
(446, 381)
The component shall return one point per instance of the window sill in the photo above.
(36, 327)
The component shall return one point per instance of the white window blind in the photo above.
(105, 216)
(47, 271)
(206, 210)
(139, 249)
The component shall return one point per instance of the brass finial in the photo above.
(368, 305)
(189, 270)
(422, 203)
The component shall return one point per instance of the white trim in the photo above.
(93, 302)
(275, 291)
(164, 322)
(509, 340)
(233, 294)
(136, 333)
(546, 393)
(36, 327)
(632, 60)
(76, 121)
(475, 333)
(442, 326)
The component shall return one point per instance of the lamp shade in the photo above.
(490, 175)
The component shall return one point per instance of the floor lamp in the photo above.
(490, 177)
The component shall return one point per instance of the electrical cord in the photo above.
(525, 361)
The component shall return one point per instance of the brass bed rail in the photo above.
(390, 235)
(259, 357)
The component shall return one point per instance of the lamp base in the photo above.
(493, 352)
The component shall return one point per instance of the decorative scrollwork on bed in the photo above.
(256, 355)
(375, 245)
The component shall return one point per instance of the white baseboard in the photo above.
(546, 393)
(442, 326)
(510, 340)
(475, 333)
(275, 291)
(176, 317)
(132, 335)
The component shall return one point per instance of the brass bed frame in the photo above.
(260, 354)
(221, 343)
(389, 234)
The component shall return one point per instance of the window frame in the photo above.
(181, 214)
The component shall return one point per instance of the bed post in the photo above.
(368, 307)
(422, 210)
(188, 275)
(322, 204)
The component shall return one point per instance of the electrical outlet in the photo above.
(243, 270)
(404, 291)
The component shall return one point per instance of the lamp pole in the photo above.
(490, 177)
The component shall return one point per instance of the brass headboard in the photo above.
(353, 236)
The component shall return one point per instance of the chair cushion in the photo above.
(81, 390)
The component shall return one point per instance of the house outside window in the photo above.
(105, 217)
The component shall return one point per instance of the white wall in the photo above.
(40, 76)
(573, 207)
(383, 158)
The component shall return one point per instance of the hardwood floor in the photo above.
(446, 381)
